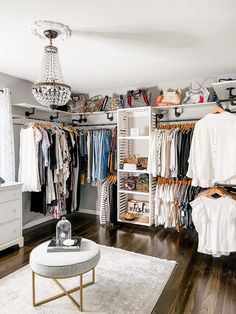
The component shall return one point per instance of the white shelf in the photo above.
(133, 137)
(136, 109)
(41, 108)
(133, 222)
(72, 114)
(185, 106)
(133, 192)
(133, 171)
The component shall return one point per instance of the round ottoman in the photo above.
(56, 265)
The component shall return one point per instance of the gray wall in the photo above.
(20, 89)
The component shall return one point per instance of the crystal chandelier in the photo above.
(49, 90)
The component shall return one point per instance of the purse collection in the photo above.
(133, 98)
(195, 93)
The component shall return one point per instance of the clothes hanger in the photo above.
(214, 190)
(217, 109)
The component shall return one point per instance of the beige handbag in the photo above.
(169, 98)
(132, 159)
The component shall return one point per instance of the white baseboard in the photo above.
(44, 219)
(36, 222)
(89, 211)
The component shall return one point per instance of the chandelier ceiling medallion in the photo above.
(50, 90)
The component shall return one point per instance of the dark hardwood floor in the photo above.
(199, 284)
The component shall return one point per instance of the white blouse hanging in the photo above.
(7, 154)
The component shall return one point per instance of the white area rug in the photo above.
(126, 283)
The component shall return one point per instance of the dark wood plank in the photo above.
(199, 284)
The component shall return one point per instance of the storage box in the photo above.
(130, 166)
(134, 131)
(139, 208)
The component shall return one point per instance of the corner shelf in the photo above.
(65, 113)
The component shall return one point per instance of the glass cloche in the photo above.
(63, 231)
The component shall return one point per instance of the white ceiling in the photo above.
(122, 44)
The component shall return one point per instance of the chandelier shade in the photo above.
(49, 89)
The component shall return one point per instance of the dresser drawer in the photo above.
(10, 231)
(10, 195)
(9, 211)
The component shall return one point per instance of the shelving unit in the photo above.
(73, 115)
(143, 118)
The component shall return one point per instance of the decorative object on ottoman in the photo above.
(68, 245)
(63, 231)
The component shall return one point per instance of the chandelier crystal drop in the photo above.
(50, 90)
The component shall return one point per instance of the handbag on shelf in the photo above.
(94, 104)
(169, 98)
(138, 98)
(132, 159)
(130, 183)
(142, 184)
(196, 95)
(142, 162)
(112, 103)
(77, 104)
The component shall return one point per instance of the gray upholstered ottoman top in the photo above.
(64, 264)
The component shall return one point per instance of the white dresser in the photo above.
(11, 215)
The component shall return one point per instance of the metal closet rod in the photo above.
(97, 124)
(188, 120)
(179, 120)
(40, 119)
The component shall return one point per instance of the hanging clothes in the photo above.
(50, 168)
(213, 150)
(169, 151)
(215, 222)
(98, 154)
(107, 200)
(172, 203)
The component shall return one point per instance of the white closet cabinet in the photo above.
(11, 215)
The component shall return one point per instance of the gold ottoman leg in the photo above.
(81, 292)
(33, 287)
